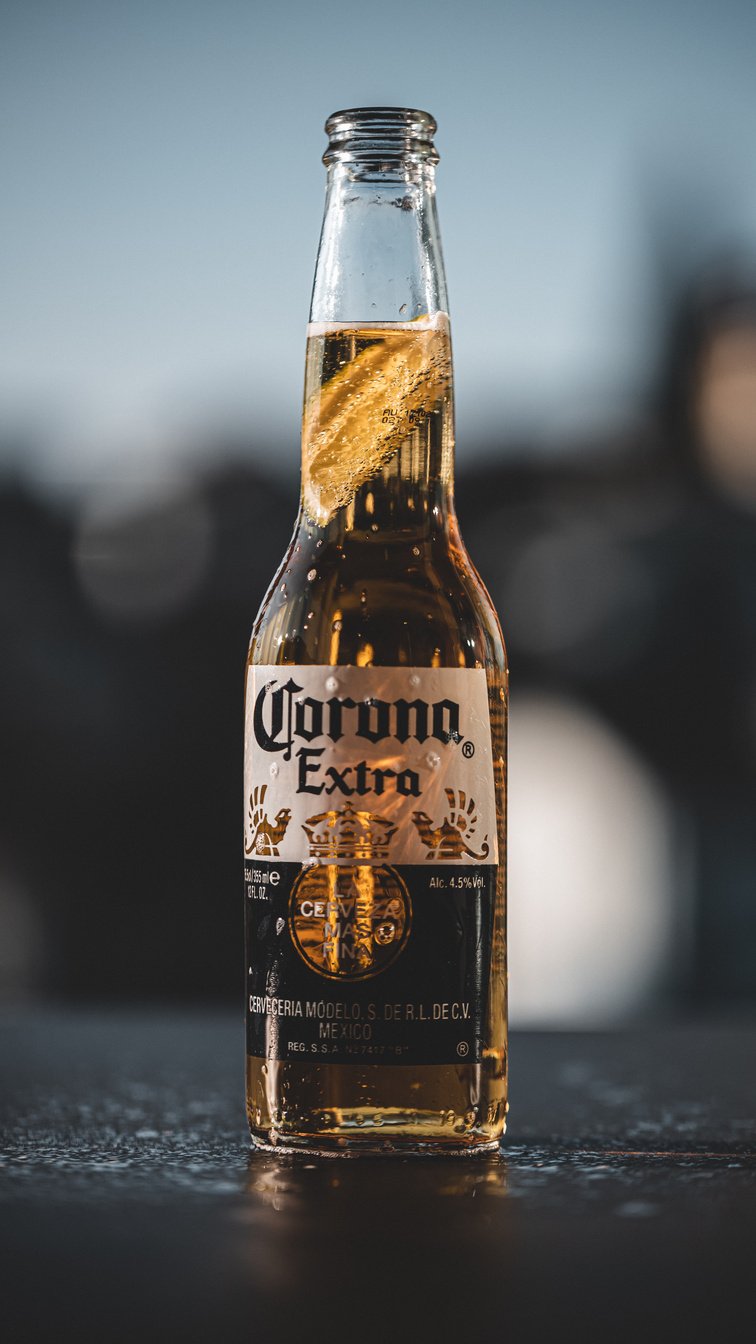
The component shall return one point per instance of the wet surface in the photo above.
(624, 1203)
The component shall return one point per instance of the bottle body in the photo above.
(375, 763)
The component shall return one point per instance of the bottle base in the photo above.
(365, 1146)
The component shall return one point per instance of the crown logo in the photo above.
(349, 834)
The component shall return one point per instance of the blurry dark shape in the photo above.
(574, 589)
(144, 557)
(20, 937)
(122, 781)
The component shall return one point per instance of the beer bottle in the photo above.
(376, 710)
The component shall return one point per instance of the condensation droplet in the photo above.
(280, 926)
(403, 308)
(414, 679)
(433, 759)
(283, 590)
(312, 574)
(336, 625)
(332, 684)
(415, 550)
(274, 769)
(373, 527)
(363, 597)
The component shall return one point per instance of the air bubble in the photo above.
(312, 574)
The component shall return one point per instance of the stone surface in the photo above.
(623, 1206)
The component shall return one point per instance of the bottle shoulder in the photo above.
(384, 600)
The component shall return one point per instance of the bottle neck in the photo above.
(379, 258)
(378, 422)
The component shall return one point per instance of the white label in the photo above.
(369, 765)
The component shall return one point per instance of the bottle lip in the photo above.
(381, 135)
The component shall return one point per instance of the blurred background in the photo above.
(161, 200)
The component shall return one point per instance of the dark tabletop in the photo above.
(132, 1208)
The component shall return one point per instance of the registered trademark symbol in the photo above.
(468, 749)
(462, 1047)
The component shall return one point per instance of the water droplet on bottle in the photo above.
(433, 759)
(280, 926)
(403, 308)
(312, 574)
(414, 679)
(363, 597)
(415, 550)
(283, 590)
(274, 769)
(373, 527)
(332, 684)
(336, 625)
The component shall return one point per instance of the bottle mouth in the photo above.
(381, 136)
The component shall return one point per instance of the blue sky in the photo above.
(162, 194)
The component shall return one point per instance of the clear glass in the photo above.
(377, 575)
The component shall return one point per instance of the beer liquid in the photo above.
(377, 577)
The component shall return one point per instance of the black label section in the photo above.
(381, 965)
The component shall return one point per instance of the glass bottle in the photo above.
(376, 712)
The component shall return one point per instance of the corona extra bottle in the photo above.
(376, 710)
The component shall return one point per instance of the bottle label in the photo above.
(371, 862)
